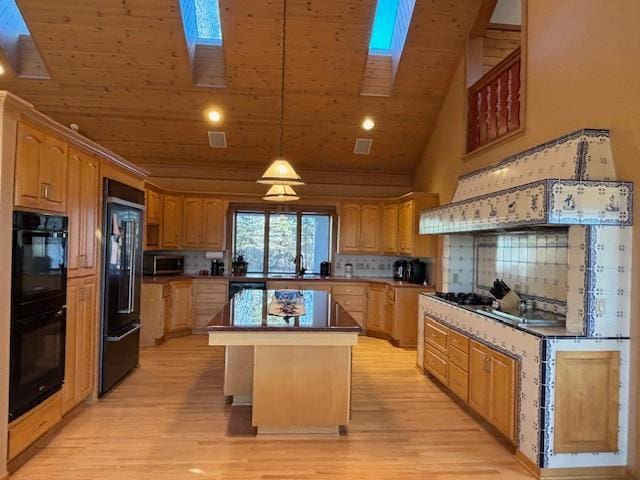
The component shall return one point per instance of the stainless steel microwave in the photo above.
(155, 264)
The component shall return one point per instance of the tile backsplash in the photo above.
(371, 265)
(531, 263)
(194, 261)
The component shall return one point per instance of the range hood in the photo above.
(570, 180)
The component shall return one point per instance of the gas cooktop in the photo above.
(462, 298)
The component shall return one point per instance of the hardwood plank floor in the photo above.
(168, 421)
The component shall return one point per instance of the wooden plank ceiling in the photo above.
(120, 70)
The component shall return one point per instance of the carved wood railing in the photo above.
(494, 103)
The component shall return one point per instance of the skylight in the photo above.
(208, 29)
(383, 26)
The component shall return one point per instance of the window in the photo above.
(208, 22)
(272, 242)
(388, 35)
(383, 25)
(19, 50)
(203, 34)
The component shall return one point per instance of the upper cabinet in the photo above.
(204, 223)
(359, 228)
(189, 223)
(389, 228)
(172, 221)
(154, 207)
(41, 170)
(83, 189)
(409, 242)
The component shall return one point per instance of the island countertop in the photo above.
(252, 311)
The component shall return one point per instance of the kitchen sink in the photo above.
(535, 318)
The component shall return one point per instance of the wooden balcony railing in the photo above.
(494, 103)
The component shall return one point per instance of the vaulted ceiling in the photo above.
(120, 70)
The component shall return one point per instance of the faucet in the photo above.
(300, 270)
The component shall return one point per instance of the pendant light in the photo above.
(280, 173)
(281, 193)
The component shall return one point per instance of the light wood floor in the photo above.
(168, 421)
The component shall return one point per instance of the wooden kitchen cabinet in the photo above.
(181, 305)
(353, 298)
(492, 387)
(41, 170)
(171, 221)
(389, 229)
(409, 240)
(204, 223)
(82, 321)
(154, 207)
(83, 190)
(359, 228)
(210, 296)
(375, 321)
(34, 424)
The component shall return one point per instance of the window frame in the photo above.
(268, 210)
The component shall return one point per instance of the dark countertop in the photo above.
(161, 279)
(248, 311)
(538, 331)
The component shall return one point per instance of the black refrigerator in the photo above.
(122, 254)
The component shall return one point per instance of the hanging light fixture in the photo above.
(281, 193)
(280, 172)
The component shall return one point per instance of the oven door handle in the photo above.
(125, 334)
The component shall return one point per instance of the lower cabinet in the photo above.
(209, 298)
(353, 298)
(492, 387)
(81, 336)
(480, 376)
(31, 426)
(181, 305)
(376, 318)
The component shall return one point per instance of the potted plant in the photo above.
(239, 265)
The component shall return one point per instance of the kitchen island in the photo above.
(288, 354)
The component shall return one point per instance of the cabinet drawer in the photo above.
(349, 290)
(459, 341)
(34, 424)
(358, 317)
(210, 298)
(458, 381)
(351, 303)
(436, 364)
(461, 359)
(211, 286)
(436, 335)
(391, 294)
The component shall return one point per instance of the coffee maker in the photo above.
(417, 272)
(400, 270)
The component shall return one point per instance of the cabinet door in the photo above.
(375, 309)
(502, 403)
(389, 228)
(479, 378)
(192, 223)
(171, 221)
(90, 201)
(369, 228)
(74, 212)
(167, 311)
(86, 334)
(154, 207)
(349, 228)
(406, 227)
(214, 224)
(27, 175)
(82, 209)
(53, 175)
(74, 314)
(181, 306)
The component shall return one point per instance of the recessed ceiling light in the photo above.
(368, 123)
(1, 70)
(214, 116)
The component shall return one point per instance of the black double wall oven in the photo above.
(38, 309)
